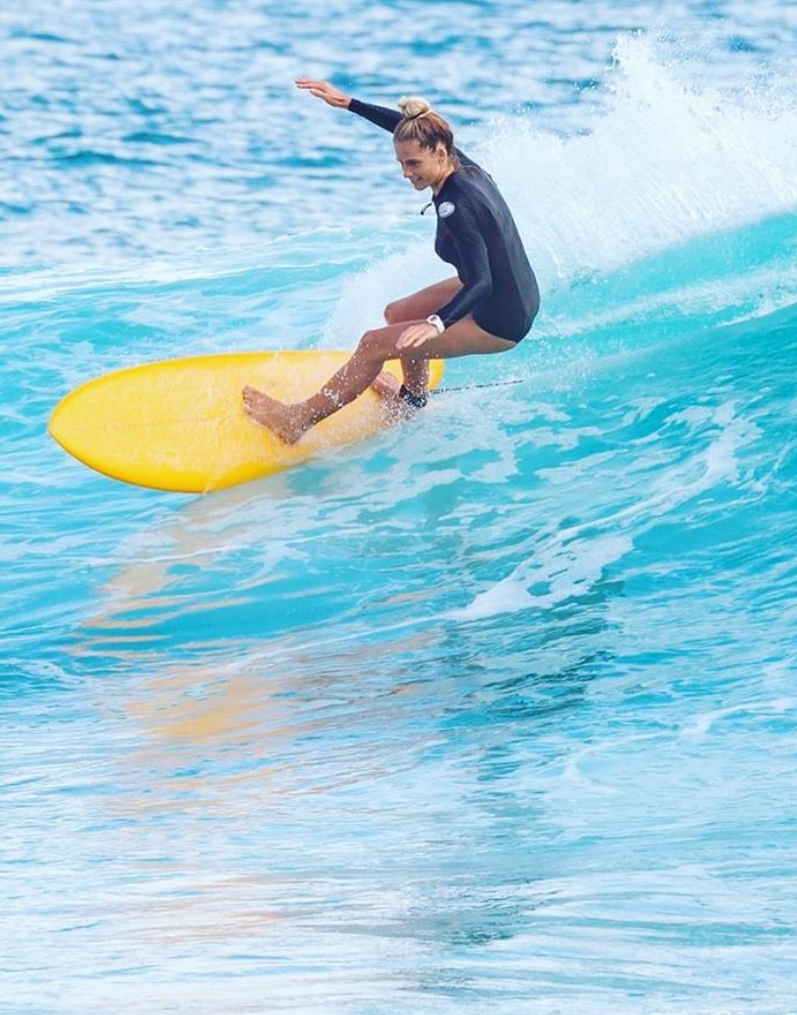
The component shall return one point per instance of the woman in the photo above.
(489, 307)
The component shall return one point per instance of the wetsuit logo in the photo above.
(446, 209)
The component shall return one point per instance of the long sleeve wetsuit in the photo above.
(478, 236)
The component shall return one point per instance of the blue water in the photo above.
(495, 712)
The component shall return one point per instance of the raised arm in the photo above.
(387, 119)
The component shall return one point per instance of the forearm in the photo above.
(465, 301)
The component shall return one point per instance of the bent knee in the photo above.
(373, 344)
(395, 312)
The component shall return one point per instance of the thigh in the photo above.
(464, 338)
(418, 306)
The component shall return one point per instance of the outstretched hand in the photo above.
(324, 90)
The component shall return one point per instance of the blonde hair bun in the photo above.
(413, 106)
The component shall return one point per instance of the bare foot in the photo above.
(283, 420)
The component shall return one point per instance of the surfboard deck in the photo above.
(180, 424)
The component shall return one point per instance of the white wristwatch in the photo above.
(436, 321)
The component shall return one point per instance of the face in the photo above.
(423, 167)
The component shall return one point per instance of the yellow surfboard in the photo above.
(180, 424)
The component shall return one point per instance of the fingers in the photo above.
(415, 336)
(320, 88)
(323, 90)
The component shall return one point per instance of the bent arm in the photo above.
(473, 262)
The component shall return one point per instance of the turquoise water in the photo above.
(495, 711)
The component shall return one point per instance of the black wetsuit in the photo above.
(477, 234)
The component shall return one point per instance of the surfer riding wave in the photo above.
(488, 307)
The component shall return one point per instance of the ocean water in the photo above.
(495, 712)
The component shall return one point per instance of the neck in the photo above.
(439, 185)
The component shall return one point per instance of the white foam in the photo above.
(669, 159)
(561, 569)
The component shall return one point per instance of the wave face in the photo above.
(498, 709)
